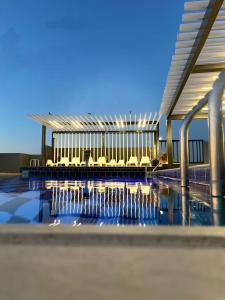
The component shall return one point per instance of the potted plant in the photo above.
(163, 159)
(154, 162)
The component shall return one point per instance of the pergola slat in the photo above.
(200, 45)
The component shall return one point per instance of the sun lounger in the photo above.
(112, 163)
(75, 161)
(63, 162)
(145, 161)
(121, 163)
(101, 161)
(91, 163)
(49, 163)
(132, 161)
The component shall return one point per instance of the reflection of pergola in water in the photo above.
(114, 202)
(110, 202)
(115, 138)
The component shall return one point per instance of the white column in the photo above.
(112, 146)
(109, 146)
(68, 144)
(76, 144)
(79, 145)
(61, 144)
(138, 145)
(116, 146)
(135, 148)
(64, 145)
(123, 148)
(54, 148)
(101, 142)
(83, 147)
(153, 146)
(72, 145)
(105, 139)
(146, 144)
(86, 140)
(119, 145)
(131, 144)
(127, 145)
(90, 140)
(57, 149)
(94, 146)
(97, 146)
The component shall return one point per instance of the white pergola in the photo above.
(199, 57)
(116, 137)
(196, 83)
(99, 123)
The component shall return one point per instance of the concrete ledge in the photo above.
(191, 237)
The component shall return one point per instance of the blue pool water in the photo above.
(142, 203)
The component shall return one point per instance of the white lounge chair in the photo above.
(145, 161)
(50, 163)
(101, 161)
(75, 161)
(121, 163)
(64, 161)
(132, 161)
(112, 163)
(91, 163)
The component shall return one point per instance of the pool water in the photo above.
(119, 203)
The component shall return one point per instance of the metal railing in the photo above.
(196, 150)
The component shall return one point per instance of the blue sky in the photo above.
(75, 57)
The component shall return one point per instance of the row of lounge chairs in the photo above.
(75, 162)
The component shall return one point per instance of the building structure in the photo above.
(196, 73)
(118, 139)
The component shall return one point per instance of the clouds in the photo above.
(66, 23)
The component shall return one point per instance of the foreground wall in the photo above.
(12, 162)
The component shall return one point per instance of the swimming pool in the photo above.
(119, 203)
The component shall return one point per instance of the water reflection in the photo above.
(153, 202)
(218, 211)
(119, 203)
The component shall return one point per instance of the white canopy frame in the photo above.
(116, 138)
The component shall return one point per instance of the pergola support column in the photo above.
(43, 146)
(184, 151)
(169, 144)
(53, 147)
(216, 136)
(156, 141)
